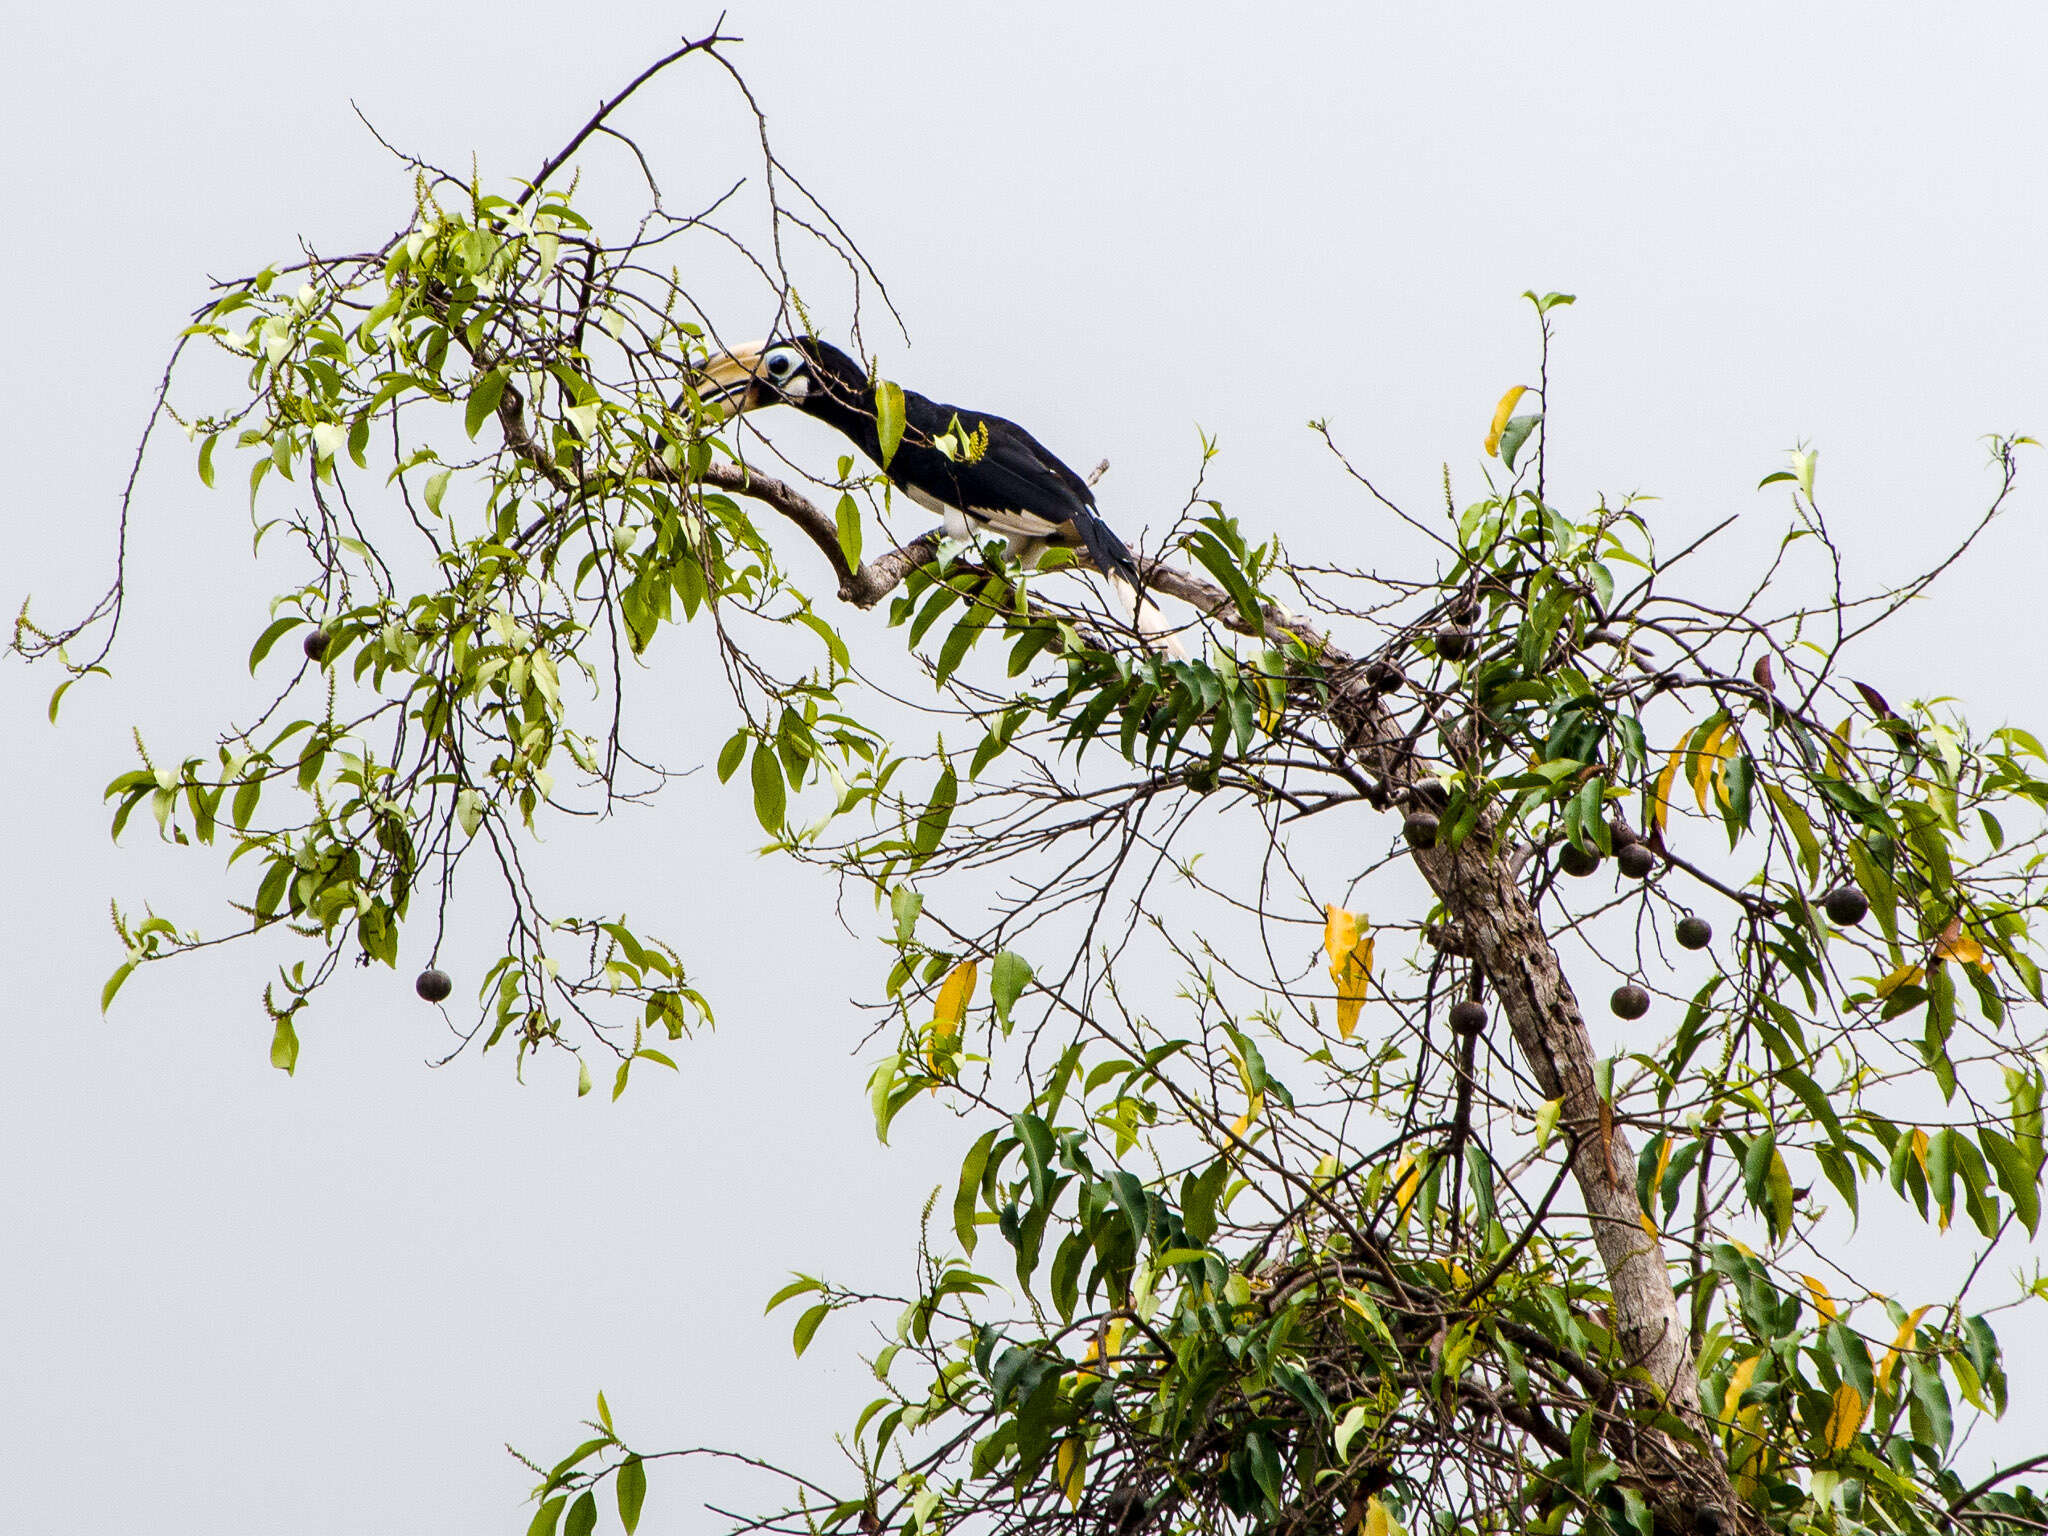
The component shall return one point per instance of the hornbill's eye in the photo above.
(780, 363)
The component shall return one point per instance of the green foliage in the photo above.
(1277, 1250)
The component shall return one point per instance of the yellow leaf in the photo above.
(1738, 1383)
(1377, 1521)
(1649, 1226)
(1501, 413)
(1904, 976)
(1663, 1162)
(1252, 1112)
(1340, 933)
(1899, 1346)
(1708, 764)
(1838, 747)
(1407, 1182)
(1116, 1340)
(1351, 984)
(1347, 939)
(1845, 1419)
(954, 997)
(1660, 808)
(1920, 1148)
(1071, 1468)
(1821, 1299)
(1954, 944)
(951, 1011)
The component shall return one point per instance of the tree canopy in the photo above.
(1300, 1197)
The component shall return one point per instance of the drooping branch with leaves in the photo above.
(1281, 1216)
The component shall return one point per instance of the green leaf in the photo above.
(545, 1517)
(938, 813)
(770, 802)
(966, 1192)
(632, 1492)
(266, 640)
(888, 418)
(284, 1047)
(729, 759)
(1007, 982)
(2009, 1167)
(483, 400)
(1797, 823)
(1514, 434)
(121, 973)
(904, 906)
(849, 530)
(1216, 560)
(1199, 1194)
(797, 1287)
(807, 1325)
(582, 1515)
(437, 487)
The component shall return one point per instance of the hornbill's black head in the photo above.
(800, 370)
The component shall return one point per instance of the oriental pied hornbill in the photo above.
(975, 470)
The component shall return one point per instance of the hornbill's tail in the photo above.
(1113, 559)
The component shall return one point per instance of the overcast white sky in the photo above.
(235, 1301)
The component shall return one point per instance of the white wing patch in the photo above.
(1010, 522)
(1013, 523)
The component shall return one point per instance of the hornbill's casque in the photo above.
(997, 476)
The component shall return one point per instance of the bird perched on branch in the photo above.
(975, 470)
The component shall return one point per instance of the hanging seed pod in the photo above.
(1845, 906)
(1577, 861)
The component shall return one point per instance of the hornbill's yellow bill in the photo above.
(734, 379)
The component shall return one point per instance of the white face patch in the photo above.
(784, 369)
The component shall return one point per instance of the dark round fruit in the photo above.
(1635, 860)
(1468, 1017)
(1454, 644)
(1694, 932)
(1846, 906)
(433, 985)
(315, 645)
(1574, 860)
(1388, 678)
(1419, 827)
(1629, 1002)
(1621, 834)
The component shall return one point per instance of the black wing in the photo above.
(1017, 485)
